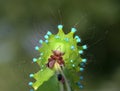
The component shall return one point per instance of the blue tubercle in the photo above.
(36, 48)
(78, 40)
(57, 36)
(73, 30)
(46, 41)
(66, 39)
(42, 66)
(78, 83)
(81, 69)
(84, 60)
(40, 58)
(76, 37)
(30, 83)
(72, 47)
(81, 86)
(46, 36)
(40, 41)
(34, 60)
(71, 61)
(41, 53)
(31, 90)
(73, 65)
(82, 64)
(41, 70)
(60, 26)
(84, 46)
(49, 33)
(81, 77)
(81, 52)
(31, 75)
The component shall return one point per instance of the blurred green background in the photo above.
(24, 22)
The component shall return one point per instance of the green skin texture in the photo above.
(64, 46)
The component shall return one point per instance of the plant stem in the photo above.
(66, 82)
(60, 71)
(61, 86)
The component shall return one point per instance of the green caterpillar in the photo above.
(69, 59)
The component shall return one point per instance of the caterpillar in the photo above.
(59, 52)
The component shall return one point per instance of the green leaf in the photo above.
(42, 76)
